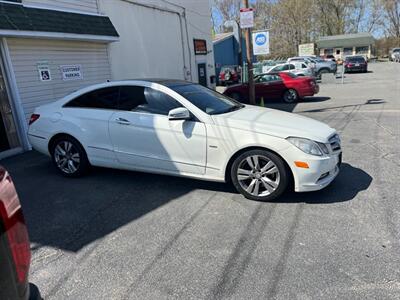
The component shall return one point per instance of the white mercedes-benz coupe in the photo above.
(180, 128)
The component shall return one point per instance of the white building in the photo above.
(50, 48)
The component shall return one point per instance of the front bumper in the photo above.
(321, 172)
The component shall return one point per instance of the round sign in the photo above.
(261, 39)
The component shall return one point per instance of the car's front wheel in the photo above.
(69, 156)
(259, 175)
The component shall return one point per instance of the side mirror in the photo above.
(180, 113)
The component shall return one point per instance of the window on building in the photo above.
(337, 51)
(328, 51)
(362, 50)
(348, 51)
(144, 99)
(106, 98)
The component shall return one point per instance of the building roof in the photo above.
(219, 37)
(346, 40)
(17, 17)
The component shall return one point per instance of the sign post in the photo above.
(247, 22)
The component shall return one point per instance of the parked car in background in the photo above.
(330, 57)
(394, 53)
(229, 75)
(300, 68)
(396, 57)
(319, 65)
(279, 86)
(356, 63)
(15, 253)
(184, 129)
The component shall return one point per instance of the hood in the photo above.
(276, 123)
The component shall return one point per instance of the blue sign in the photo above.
(261, 39)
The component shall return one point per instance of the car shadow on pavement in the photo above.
(345, 187)
(72, 213)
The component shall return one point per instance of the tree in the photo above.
(391, 10)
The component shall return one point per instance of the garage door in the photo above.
(28, 55)
(150, 42)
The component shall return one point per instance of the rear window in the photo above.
(355, 59)
(105, 98)
(292, 75)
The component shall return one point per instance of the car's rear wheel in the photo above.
(290, 96)
(259, 175)
(323, 71)
(69, 157)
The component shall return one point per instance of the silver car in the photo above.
(319, 65)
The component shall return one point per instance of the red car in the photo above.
(229, 74)
(286, 86)
(15, 252)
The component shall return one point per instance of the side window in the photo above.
(144, 99)
(304, 66)
(106, 98)
(285, 68)
(292, 67)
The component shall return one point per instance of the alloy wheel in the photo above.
(290, 96)
(67, 157)
(258, 175)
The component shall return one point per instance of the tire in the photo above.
(290, 96)
(322, 71)
(69, 157)
(252, 182)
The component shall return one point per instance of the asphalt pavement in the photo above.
(128, 235)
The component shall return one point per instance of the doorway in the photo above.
(8, 131)
(201, 68)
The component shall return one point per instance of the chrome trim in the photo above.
(37, 136)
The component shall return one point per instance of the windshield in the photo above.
(207, 100)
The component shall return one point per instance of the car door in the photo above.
(265, 87)
(143, 136)
(276, 87)
(91, 113)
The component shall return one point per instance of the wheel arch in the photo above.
(57, 136)
(239, 152)
(324, 69)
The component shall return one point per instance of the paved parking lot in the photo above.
(118, 235)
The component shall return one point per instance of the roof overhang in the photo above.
(349, 40)
(17, 20)
(59, 35)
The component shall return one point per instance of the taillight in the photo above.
(33, 118)
(13, 221)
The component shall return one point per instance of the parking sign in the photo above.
(246, 18)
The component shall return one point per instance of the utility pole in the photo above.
(249, 54)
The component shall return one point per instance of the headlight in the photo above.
(308, 146)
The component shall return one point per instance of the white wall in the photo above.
(89, 6)
(26, 53)
(150, 42)
(151, 39)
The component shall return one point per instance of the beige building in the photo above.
(344, 45)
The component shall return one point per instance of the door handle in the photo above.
(122, 121)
